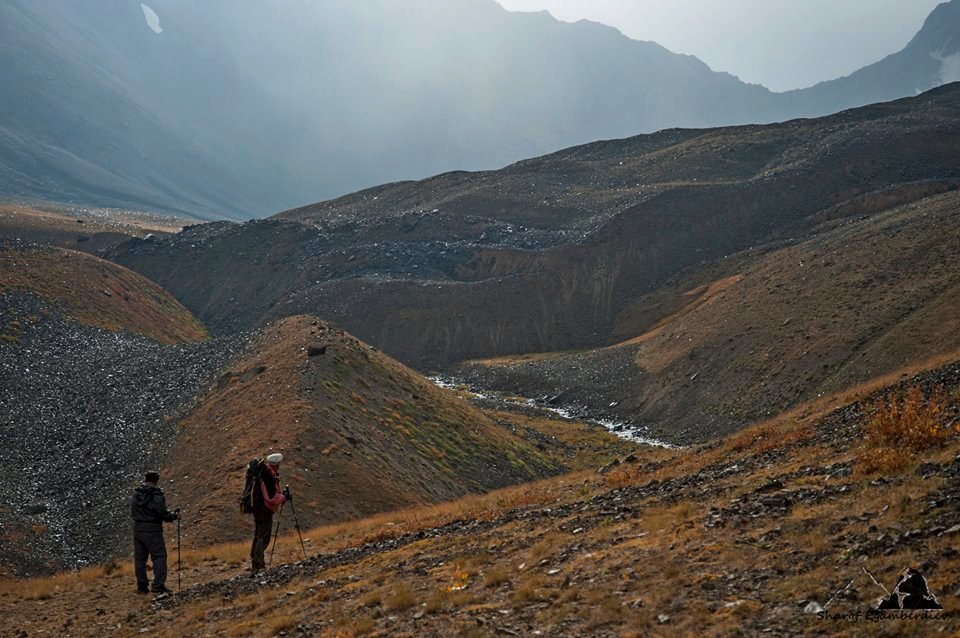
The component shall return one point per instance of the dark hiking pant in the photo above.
(263, 528)
(149, 542)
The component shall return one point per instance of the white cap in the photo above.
(275, 459)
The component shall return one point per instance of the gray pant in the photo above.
(149, 542)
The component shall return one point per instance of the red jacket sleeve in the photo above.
(277, 500)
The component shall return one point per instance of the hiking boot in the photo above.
(161, 589)
(143, 590)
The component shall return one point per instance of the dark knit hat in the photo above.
(151, 477)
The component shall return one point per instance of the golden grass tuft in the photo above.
(358, 626)
(530, 590)
(279, 623)
(496, 576)
(768, 435)
(403, 597)
(245, 628)
(371, 599)
(231, 553)
(200, 613)
(622, 476)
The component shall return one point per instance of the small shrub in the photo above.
(461, 578)
(900, 425)
(436, 601)
(621, 477)
(886, 460)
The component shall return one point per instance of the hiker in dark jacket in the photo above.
(264, 507)
(149, 509)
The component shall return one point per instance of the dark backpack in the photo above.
(251, 499)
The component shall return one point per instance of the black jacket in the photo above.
(149, 509)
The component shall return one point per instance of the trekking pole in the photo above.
(275, 534)
(177, 511)
(296, 523)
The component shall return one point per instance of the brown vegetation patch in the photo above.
(98, 293)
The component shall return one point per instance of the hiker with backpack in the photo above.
(149, 510)
(261, 497)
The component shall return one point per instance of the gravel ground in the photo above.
(83, 412)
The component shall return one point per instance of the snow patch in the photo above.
(949, 67)
(153, 20)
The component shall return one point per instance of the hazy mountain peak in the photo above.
(338, 96)
(940, 34)
(940, 38)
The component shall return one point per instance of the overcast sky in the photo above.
(782, 44)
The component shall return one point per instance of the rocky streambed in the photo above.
(550, 406)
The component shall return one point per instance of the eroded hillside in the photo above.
(94, 292)
(856, 299)
(546, 254)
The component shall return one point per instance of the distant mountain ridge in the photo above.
(335, 97)
(931, 58)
